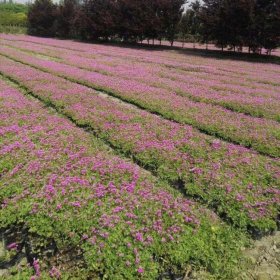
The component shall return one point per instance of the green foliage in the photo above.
(13, 8)
(13, 18)
(8, 18)
(241, 23)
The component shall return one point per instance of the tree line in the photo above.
(128, 20)
(234, 24)
(226, 23)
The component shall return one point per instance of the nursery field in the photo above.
(134, 163)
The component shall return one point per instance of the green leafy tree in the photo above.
(236, 23)
(238, 17)
(170, 15)
(267, 24)
(190, 24)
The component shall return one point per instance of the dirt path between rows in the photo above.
(264, 259)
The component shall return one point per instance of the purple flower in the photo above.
(139, 237)
(216, 144)
(228, 188)
(58, 206)
(140, 270)
(12, 246)
(85, 237)
(55, 273)
(188, 219)
(76, 204)
(239, 197)
(36, 266)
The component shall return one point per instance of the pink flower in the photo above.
(85, 236)
(216, 144)
(118, 209)
(239, 197)
(36, 267)
(92, 240)
(12, 246)
(250, 186)
(76, 204)
(188, 219)
(104, 234)
(140, 270)
(50, 189)
(228, 188)
(196, 170)
(139, 237)
(150, 239)
(58, 207)
(55, 273)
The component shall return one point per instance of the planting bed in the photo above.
(145, 164)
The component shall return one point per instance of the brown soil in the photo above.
(264, 259)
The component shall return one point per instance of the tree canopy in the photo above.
(129, 20)
(235, 23)
(226, 23)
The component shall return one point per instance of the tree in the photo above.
(66, 13)
(81, 28)
(267, 24)
(41, 17)
(131, 24)
(99, 18)
(208, 18)
(215, 27)
(235, 23)
(170, 14)
(151, 20)
(227, 23)
(238, 15)
(190, 23)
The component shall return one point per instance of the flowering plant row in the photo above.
(202, 84)
(260, 134)
(238, 183)
(67, 188)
